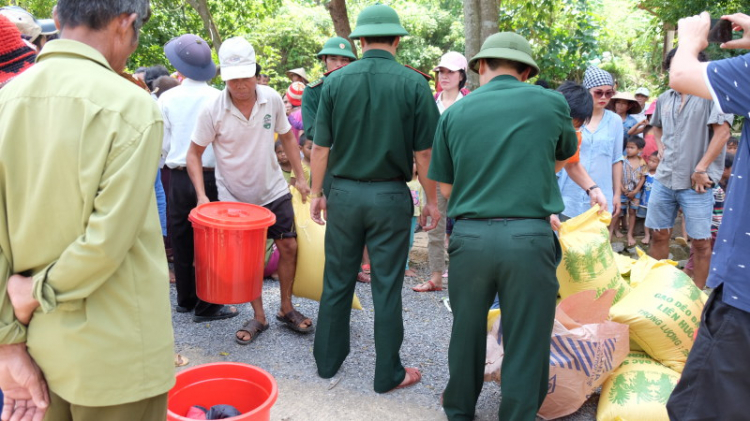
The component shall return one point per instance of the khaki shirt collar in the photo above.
(66, 47)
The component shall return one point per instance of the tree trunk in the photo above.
(201, 6)
(480, 21)
(669, 31)
(340, 18)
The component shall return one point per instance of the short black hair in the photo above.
(163, 84)
(579, 100)
(381, 40)
(260, 74)
(302, 138)
(96, 14)
(733, 141)
(494, 63)
(728, 160)
(153, 73)
(702, 57)
(462, 81)
(543, 83)
(639, 142)
(655, 153)
(277, 144)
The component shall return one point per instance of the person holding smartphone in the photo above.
(691, 135)
(715, 383)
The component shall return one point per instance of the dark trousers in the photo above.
(376, 214)
(182, 199)
(716, 378)
(516, 260)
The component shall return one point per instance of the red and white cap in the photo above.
(294, 93)
(452, 61)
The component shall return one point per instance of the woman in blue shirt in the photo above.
(600, 151)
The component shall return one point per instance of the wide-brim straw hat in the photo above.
(635, 106)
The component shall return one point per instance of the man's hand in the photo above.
(20, 290)
(430, 210)
(616, 207)
(596, 197)
(660, 150)
(319, 210)
(21, 380)
(693, 32)
(203, 199)
(701, 182)
(554, 222)
(740, 22)
(302, 188)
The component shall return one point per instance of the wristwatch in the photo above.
(316, 195)
(588, 190)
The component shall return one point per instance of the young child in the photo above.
(416, 196)
(653, 164)
(286, 166)
(732, 145)
(305, 146)
(634, 170)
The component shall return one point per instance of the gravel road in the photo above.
(304, 396)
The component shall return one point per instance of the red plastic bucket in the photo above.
(230, 246)
(253, 391)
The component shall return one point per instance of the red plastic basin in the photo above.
(253, 391)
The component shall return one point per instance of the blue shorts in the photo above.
(697, 209)
(631, 203)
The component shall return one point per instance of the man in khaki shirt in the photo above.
(85, 329)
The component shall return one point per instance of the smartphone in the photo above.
(720, 32)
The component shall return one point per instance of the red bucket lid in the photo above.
(232, 215)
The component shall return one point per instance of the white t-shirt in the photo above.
(179, 107)
(246, 166)
(439, 101)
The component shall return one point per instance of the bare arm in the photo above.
(687, 74)
(700, 180)
(446, 190)
(318, 167)
(195, 171)
(289, 144)
(578, 174)
(659, 145)
(430, 190)
(617, 187)
(560, 165)
(638, 128)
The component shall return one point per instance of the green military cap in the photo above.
(378, 21)
(337, 46)
(506, 45)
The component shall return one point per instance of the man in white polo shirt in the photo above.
(240, 124)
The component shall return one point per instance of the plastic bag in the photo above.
(308, 282)
(638, 390)
(585, 348)
(588, 262)
(663, 313)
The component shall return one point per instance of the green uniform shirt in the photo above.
(79, 150)
(498, 147)
(310, 100)
(373, 114)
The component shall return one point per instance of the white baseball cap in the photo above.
(642, 91)
(452, 61)
(237, 59)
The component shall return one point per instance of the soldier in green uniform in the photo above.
(375, 116)
(494, 154)
(336, 53)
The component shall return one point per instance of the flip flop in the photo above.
(223, 313)
(363, 277)
(430, 289)
(180, 361)
(254, 328)
(413, 377)
(293, 320)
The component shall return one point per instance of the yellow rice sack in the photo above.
(636, 391)
(663, 313)
(624, 263)
(311, 259)
(643, 265)
(492, 316)
(588, 262)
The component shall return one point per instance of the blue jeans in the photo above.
(697, 209)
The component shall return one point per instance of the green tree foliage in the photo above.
(563, 33)
(670, 11)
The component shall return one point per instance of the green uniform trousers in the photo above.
(516, 259)
(376, 214)
(151, 409)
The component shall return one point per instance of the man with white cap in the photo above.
(190, 55)
(240, 124)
